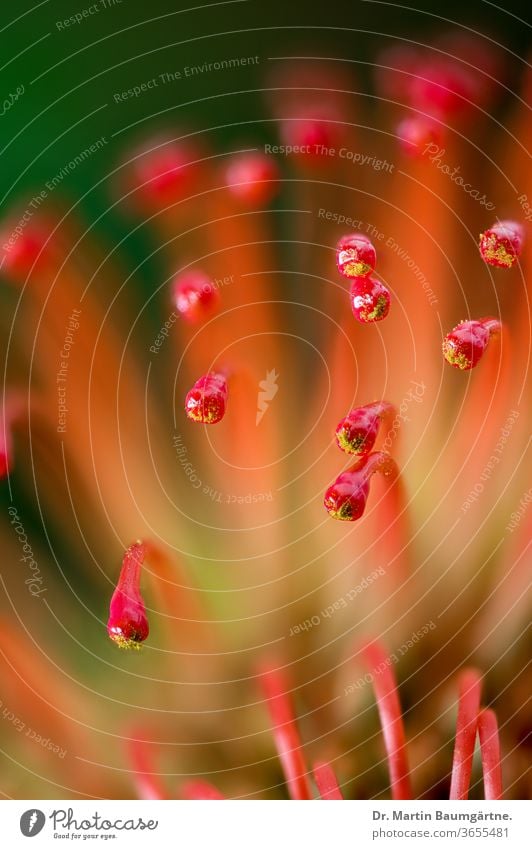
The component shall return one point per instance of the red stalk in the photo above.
(326, 781)
(345, 500)
(285, 732)
(196, 790)
(466, 732)
(147, 783)
(185, 618)
(490, 751)
(14, 408)
(389, 707)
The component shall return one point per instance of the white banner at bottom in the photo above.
(266, 825)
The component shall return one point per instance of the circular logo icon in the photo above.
(32, 822)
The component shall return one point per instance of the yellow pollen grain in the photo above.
(126, 644)
(456, 359)
(378, 309)
(352, 447)
(499, 254)
(356, 269)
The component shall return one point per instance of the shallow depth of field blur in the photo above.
(247, 570)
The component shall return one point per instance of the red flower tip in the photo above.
(370, 299)
(6, 448)
(23, 247)
(285, 731)
(197, 790)
(466, 731)
(485, 62)
(390, 714)
(4, 463)
(464, 345)
(311, 133)
(394, 67)
(326, 782)
(416, 134)
(307, 133)
(346, 498)
(195, 296)
(128, 624)
(490, 751)
(162, 173)
(356, 433)
(444, 87)
(502, 244)
(252, 177)
(355, 256)
(434, 83)
(207, 400)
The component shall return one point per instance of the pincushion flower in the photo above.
(128, 625)
(275, 664)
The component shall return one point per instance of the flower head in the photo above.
(195, 296)
(464, 346)
(252, 177)
(501, 245)
(128, 624)
(346, 498)
(356, 433)
(400, 631)
(206, 401)
(355, 256)
(370, 299)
